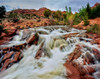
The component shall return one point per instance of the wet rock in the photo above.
(26, 34)
(10, 61)
(90, 69)
(76, 71)
(6, 63)
(32, 39)
(39, 52)
(11, 32)
(96, 54)
(15, 58)
(88, 77)
(97, 75)
(8, 55)
(76, 54)
(70, 35)
(97, 41)
(72, 71)
(89, 58)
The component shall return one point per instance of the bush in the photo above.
(95, 12)
(14, 17)
(57, 15)
(47, 13)
(1, 29)
(15, 20)
(77, 19)
(85, 19)
(94, 29)
(86, 22)
(2, 11)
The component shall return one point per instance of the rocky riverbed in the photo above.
(51, 52)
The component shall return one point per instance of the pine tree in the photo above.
(88, 10)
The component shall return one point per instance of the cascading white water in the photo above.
(50, 66)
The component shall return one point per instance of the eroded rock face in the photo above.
(7, 37)
(11, 55)
(76, 64)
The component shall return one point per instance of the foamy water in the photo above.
(55, 51)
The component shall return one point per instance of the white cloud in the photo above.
(24, 4)
(52, 4)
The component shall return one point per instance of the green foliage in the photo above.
(1, 29)
(18, 27)
(38, 20)
(68, 13)
(94, 29)
(77, 19)
(14, 17)
(82, 12)
(85, 19)
(69, 16)
(47, 13)
(88, 10)
(57, 15)
(64, 16)
(2, 11)
(95, 12)
(84, 15)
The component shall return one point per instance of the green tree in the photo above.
(57, 15)
(88, 10)
(70, 17)
(47, 13)
(2, 11)
(95, 12)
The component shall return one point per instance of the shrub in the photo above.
(57, 15)
(2, 11)
(77, 19)
(14, 17)
(95, 12)
(47, 13)
(85, 19)
(86, 22)
(18, 27)
(1, 29)
(38, 20)
(15, 20)
(64, 16)
(94, 29)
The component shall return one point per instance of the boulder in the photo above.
(39, 52)
(89, 58)
(8, 55)
(32, 39)
(96, 53)
(70, 35)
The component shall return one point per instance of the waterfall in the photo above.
(54, 49)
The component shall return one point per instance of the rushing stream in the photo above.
(55, 50)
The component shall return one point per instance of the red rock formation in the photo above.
(39, 52)
(32, 39)
(75, 70)
(7, 37)
(96, 5)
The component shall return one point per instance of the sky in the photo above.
(51, 4)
